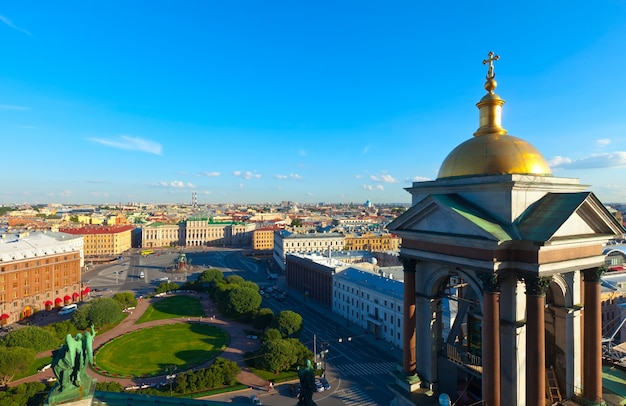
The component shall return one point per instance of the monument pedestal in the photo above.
(73, 396)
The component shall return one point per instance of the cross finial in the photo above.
(491, 57)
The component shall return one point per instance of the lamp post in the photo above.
(170, 378)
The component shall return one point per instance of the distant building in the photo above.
(38, 271)
(372, 242)
(312, 275)
(263, 238)
(286, 242)
(103, 241)
(370, 301)
(206, 231)
(157, 235)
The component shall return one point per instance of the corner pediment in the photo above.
(450, 214)
(567, 215)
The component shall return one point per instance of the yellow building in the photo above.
(373, 242)
(38, 271)
(103, 241)
(263, 238)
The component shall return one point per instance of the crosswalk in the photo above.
(370, 368)
(354, 396)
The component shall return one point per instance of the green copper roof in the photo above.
(475, 215)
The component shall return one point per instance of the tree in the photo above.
(61, 329)
(225, 371)
(32, 337)
(276, 356)
(109, 386)
(98, 312)
(234, 280)
(165, 287)
(14, 360)
(242, 301)
(249, 284)
(289, 323)
(29, 393)
(125, 299)
(272, 334)
(263, 319)
(211, 275)
(300, 350)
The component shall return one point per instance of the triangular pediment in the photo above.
(567, 215)
(450, 214)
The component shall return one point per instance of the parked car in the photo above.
(325, 383)
(254, 399)
(71, 308)
(252, 337)
(318, 386)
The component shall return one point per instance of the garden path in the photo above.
(238, 346)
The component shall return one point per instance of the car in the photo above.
(325, 383)
(318, 386)
(254, 399)
(252, 337)
(68, 309)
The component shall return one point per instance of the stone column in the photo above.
(592, 338)
(491, 339)
(536, 288)
(409, 364)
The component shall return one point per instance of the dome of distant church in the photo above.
(491, 151)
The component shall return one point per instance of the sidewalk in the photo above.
(238, 346)
(394, 353)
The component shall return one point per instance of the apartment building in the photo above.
(103, 241)
(38, 271)
(263, 238)
(373, 242)
(207, 231)
(286, 242)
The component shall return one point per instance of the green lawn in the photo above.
(150, 351)
(34, 368)
(172, 306)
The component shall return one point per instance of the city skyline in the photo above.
(251, 103)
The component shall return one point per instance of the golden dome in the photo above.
(492, 151)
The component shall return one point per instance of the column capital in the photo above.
(536, 285)
(490, 281)
(408, 263)
(594, 274)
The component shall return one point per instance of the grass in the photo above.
(34, 367)
(279, 377)
(172, 306)
(150, 351)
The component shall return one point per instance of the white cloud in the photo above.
(309, 193)
(385, 178)
(368, 187)
(380, 187)
(247, 175)
(603, 141)
(419, 179)
(15, 27)
(131, 144)
(291, 176)
(605, 160)
(177, 184)
(358, 176)
(366, 149)
(13, 107)
(99, 194)
(209, 174)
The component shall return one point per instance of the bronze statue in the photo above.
(307, 385)
(71, 359)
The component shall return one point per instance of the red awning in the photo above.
(4, 316)
(48, 303)
(75, 295)
(86, 290)
(58, 300)
(67, 297)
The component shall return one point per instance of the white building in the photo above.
(286, 242)
(370, 301)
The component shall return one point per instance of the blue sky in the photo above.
(325, 101)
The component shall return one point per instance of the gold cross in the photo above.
(491, 58)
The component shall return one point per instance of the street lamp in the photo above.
(170, 378)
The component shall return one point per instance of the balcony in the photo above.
(459, 355)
